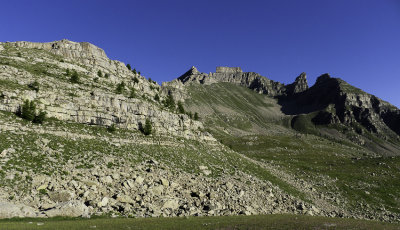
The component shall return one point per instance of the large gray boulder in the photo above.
(71, 208)
(10, 210)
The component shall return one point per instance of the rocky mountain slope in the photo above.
(361, 117)
(340, 161)
(249, 153)
(90, 155)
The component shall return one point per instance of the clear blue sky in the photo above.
(356, 40)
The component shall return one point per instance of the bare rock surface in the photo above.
(10, 210)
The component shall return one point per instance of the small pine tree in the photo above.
(75, 77)
(120, 88)
(147, 130)
(156, 97)
(39, 119)
(111, 128)
(106, 75)
(99, 73)
(170, 102)
(134, 71)
(196, 116)
(129, 66)
(135, 80)
(138, 73)
(67, 72)
(34, 86)
(132, 94)
(180, 107)
(28, 110)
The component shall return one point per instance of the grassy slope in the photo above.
(224, 222)
(364, 183)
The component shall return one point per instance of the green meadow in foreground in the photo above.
(223, 222)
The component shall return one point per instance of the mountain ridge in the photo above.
(224, 143)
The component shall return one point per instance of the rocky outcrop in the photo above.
(336, 102)
(94, 100)
(249, 80)
(298, 86)
(82, 52)
(70, 208)
(223, 69)
(78, 52)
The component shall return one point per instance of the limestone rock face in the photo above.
(70, 209)
(93, 101)
(223, 69)
(10, 210)
(80, 51)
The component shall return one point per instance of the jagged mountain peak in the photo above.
(250, 80)
(299, 85)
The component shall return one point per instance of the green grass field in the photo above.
(223, 222)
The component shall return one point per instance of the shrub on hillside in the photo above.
(132, 94)
(34, 86)
(120, 88)
(148, 129)
(28, 112)
(180, 107)
(170, 102)
(75, 77)
(39, 119)
(156, 97)
(111, 128)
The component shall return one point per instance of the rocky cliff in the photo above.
(251, 80)
(94, 100)
(332, 101)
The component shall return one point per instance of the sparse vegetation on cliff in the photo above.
(148, 128)
(120, 88)
(29, 113)
(34, 86)
(75, 77)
